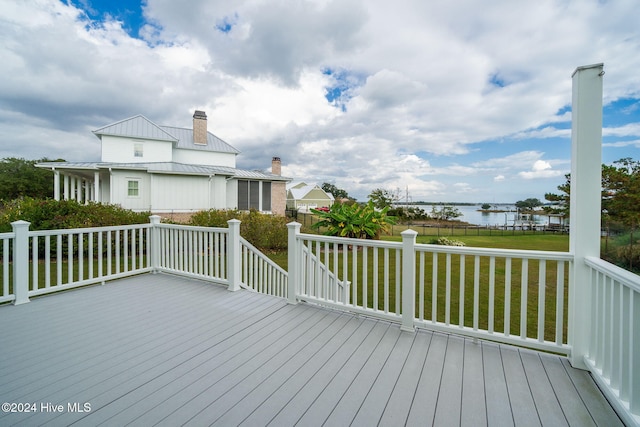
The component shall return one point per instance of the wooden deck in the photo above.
(165, 350)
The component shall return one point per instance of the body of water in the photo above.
(472, 215)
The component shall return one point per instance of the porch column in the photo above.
(56, 185)
(72, 189)
(87, 191)
(586, 183)
(66, 187)
(96, 187)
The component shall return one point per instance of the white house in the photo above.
(165, 169)
(303, 196)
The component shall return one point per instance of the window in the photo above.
(254, 195)
(137, 150)
(266, 196)
(243, 195)
(133, 189)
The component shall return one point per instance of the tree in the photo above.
(337, 193)
(20, 178)
(620, 191)
(382, 198)
(528, 204)
(445, 213)
(620, 202)
(560, 201)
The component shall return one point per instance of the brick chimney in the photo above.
(200, 128)
(276, 166)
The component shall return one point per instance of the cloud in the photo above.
(541, 169)
(413, 88)
(499, 178)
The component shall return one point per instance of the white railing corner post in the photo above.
(154, 244)
(408, 279)
(234, 256)
(584, 209)
(293, 262)
(21, 261)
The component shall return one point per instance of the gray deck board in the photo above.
(167, 350)
(473, 404)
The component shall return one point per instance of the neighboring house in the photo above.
(167, 169)
(303, 196)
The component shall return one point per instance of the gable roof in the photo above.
(141, 127)
(301, 190)
(136, 127)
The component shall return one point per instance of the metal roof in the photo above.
(136, 127)
(184, 139)
(167, 168)
(141, 127)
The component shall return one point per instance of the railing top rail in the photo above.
(351, 241)
(462, 250)
(507, 253)
(625, 277)
(9, 235)
(87, 230)
(193, 228)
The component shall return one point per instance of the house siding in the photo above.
(208, 158)
(119, 190)
(180, 193)
(121, 150)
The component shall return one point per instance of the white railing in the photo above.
(614, 336)
(39, 262)
(53, 260)
(6, 243)
(259, 273)
(193, 251)
(512, 296)
(447, 288)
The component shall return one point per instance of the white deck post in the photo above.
(293, 262)
(586, 183)
(408, 279)
(21, 261)
(154, 244)
(234, 255)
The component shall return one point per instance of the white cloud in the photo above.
(428, 80)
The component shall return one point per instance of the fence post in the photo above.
(154, 244)
(234, 256)
(293, 262)
(408, 279)
(21, 261)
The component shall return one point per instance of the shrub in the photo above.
(49, 214)
(446, 242)
(354, 221)
(265, 232)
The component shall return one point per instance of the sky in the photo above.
(448, 101)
